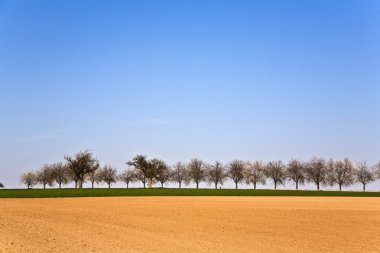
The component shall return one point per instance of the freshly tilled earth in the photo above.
(190, 224)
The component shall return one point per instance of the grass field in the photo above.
(102, 192)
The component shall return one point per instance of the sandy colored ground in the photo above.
(190, 224)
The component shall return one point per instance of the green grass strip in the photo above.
(102, 192)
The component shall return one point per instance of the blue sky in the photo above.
(218, 80)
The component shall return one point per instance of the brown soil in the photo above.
(190, 224)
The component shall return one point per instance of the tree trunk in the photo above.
(109, 185)
(80, 183)
(236, 185)
(318, 186)
(76, 184)
(275, 185)
(296, 185)
(363, 187)
(254, 185)
(216, 185)
(127, 185)
(197, 184)
(60, 185)
(340, 187)
(149, 183)
(92, 185)
(162, 185)
(179, 183)
(44, 186)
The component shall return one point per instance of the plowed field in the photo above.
(190, 224)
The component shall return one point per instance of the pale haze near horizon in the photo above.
(220, 80)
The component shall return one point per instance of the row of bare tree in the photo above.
(84, 167)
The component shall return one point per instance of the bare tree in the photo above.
(254, 173)
(363, 174)
(108, 174)
(276, 172)
(140, 176)
(196, 171)
(59, 174)
(162, 171)
(316, 171)
(93, 177)
(179, 173)
(340, 172)
(28, 178)
(128, 176)
(235, 171)
(377, 170)
(71, 176)
(80, 165)
(144, 169)
(295, 172)
(44, 175)
(216, 174)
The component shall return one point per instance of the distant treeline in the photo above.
(82, 167)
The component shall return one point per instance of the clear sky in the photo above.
(218, 80)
